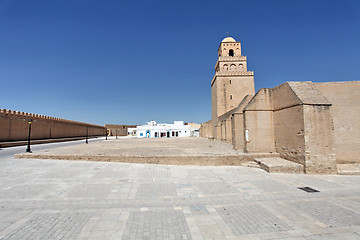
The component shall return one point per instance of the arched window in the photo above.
(232, 67)
(241, 67)
(230, 97)
(231, 52)
(225, 67)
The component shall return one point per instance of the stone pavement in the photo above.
(60, 199)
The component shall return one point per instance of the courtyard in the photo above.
(70, 199)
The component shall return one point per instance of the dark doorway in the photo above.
(231, 52)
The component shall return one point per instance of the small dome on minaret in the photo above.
(228, 39)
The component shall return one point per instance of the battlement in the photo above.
(234, 73)
(25, 115)
(231, 73)
(232, 59)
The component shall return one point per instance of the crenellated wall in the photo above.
(14, 126)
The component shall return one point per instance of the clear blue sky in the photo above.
(129, 62)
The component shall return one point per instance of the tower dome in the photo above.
(228, 39)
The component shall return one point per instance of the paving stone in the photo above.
(56, 199)
(156, 225)
(250, 219)
(47, 226)
(328, 213)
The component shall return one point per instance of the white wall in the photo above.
(178, 127)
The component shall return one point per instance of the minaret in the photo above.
(231, 82)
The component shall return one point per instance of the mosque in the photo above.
(315, 124)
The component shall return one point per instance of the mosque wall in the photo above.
(206, 130)
(228, 133)
(237, 127)
(314, 124)
(319, 140)
(345, 111)
(289, 133)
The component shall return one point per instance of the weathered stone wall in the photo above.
(258, 121)
(289, 133)
(259, 125)
(237, 125)
(303, 127)
(288, 124)
(345, 111)
(14, 126)
(214, 109)
(228, 130)
(223, 131)
(225, 125)
(206, 130)
(319, 140)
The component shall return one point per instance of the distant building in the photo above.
(194, 129)
(118, 130)
(155, 130)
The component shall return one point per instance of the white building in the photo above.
(152, 129)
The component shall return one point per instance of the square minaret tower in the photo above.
(232, 81)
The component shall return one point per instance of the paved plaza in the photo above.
(64, 199)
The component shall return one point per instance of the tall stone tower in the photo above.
(232, 82)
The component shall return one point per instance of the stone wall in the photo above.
(14, 126)
(258, 123)
(289, 133)
(319, 140)
(206, 130)
(345, 111)
(303, 127)
(288, 124)
(295, 120)
(237, 124)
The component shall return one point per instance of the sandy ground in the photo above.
(147, 147)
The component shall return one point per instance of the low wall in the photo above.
(14, 126)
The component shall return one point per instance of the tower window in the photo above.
(230, 97)
(230, 81)
(231, 52)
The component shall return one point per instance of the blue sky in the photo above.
(129, 62)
